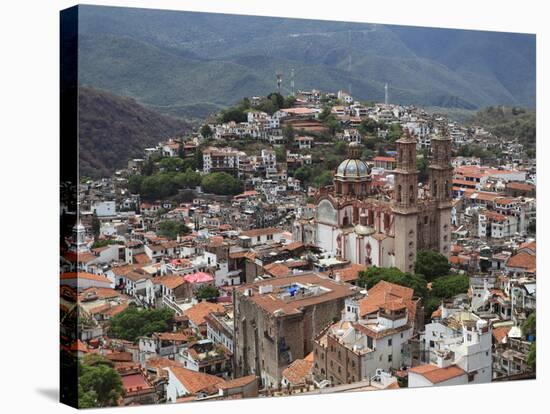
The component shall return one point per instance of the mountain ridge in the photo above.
(172, 60)
(113, 129)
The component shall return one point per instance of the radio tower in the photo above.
(279, 81)
(386, 99)
(292, 81)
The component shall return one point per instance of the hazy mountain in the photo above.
(189, 64)
(113, 129)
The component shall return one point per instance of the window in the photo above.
(432, 343)
(389, 358)
(389, 342)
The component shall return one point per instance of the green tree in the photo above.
(340, 147)
(324, 179)
(280, 154)
(303, 173)
(206, 131)
(159, 185)
(277, 99)
(172, 228)
(235, 114)
(134, 183)
(431, 264)
(221, 183)
(148, 166)
(368, 126)
(395, 132)
(289, 101)
(207, 292)
(96, 226)
(288, 133)
(529, 326)
(373, 275)
(171, 164)
(422, 165)
(431, 303)
(333, 124)
(532, 356)
(449, 286)
(188, 179)
(325, 113)
(133, 322)
(99, 384)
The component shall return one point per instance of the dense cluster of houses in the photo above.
(288, 316)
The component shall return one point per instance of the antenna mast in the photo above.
(279, 81)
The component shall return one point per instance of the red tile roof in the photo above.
(297, 372)
(435, 375)
(169, 281)
(195, 382)
(500, 333)
(385, 294)
(277, 269)
(523, 260)
(198, 312)
(85, 276)
(261, 232)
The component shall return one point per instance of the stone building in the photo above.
(360, 222)
(276, 321)
(371, 336)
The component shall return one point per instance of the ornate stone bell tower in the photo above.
(405, 203)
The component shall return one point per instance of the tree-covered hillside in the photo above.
(511, 123)
(113, 129)
(191, 64)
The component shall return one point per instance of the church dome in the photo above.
(353, 169)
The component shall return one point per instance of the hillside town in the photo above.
(305, 244)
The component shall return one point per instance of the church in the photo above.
(364, 224)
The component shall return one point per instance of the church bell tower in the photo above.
(441, 179)
(405, 203)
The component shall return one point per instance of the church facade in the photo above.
(356, 221)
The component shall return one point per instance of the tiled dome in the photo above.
(353, 168)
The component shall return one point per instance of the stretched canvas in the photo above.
(257, 207)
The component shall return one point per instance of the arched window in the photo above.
(434, 188)
(399, 193)
(411, 193)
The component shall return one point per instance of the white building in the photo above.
(104, 208)
(460, 338)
